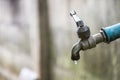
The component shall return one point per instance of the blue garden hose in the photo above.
(112, 32)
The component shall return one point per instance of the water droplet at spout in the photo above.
(75, 62)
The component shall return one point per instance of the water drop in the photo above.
(75, 62)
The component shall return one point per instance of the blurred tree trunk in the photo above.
(45, 42)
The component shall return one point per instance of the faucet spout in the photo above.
(75, 51)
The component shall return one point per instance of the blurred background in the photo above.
(39, 35)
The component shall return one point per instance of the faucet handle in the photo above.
(83, 31)
(77, 20)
